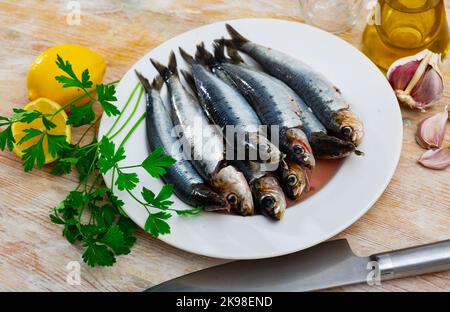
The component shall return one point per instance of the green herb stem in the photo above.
(123, 110)
(138, 122)
(141, 91)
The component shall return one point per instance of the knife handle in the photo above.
(414, 261)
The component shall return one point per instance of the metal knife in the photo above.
(330, 264)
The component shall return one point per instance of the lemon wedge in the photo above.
(45, 106)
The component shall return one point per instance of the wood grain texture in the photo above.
(415, 208)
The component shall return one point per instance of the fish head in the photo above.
(269, 196)
(350, 127)
(232, 185)
(211, 200)
(294, 179)
(330, 147)
(296, 145)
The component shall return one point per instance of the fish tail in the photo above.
(204, 57)
(166, 71)
(219, 50)
(144, 81)
(186, 56)
(157, 83)
(237, 40)
(189, 79)
(234, 55)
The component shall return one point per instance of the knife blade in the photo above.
(329, 264)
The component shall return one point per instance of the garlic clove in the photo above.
(402, 75)
(417, 80)
(438, 159)
(431, 131)
(430, 88)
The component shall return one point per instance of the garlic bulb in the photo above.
(431, 131)
(417, 80)
(438, 159)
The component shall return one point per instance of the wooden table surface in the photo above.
(415, 208)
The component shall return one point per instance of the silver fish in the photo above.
(319, 94)
(188, 184)
(203, 143)
(267, 193)
(272, 103)
(226, 107)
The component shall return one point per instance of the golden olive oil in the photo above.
(405, 27)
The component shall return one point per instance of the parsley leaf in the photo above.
(108, 157)
(7, 139)
(81, 115)
(190, 212)
(72, 80)
(55, 219)
(96, 254)
(156, 223)
(106, 95)
(48, 123)
(34, 155)
(115, 239)
(60, 168)
(55, 143)
(27, 116)
(30, 133)
(126, 181)
(159, 201)
(156, 163)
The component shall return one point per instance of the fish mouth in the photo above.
(294, 180)
(269, 197)
(350, 127)
(209, 199)
(296, 145)
(329, 147)
(232, 185)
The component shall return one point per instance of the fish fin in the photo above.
(144, 81)
(234, 55)
(166, 71)
(237, 40)
(186, 56)
(189, 79)
(203, 56)
(157, 83)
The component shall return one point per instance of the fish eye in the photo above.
(297, 149)
(347, 131)
(232, 199)
(292, 180)
(268, 201)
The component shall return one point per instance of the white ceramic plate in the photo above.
(349, 194)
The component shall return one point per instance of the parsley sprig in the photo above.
(92, 213)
